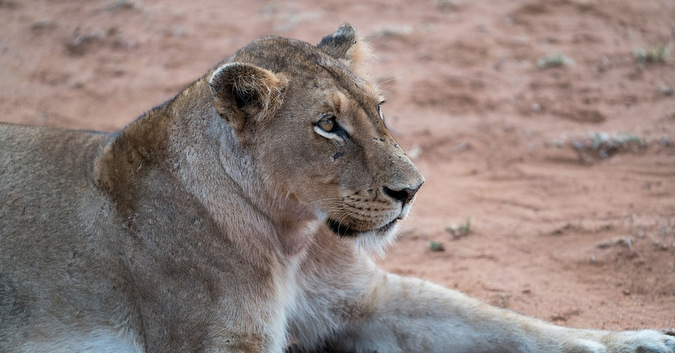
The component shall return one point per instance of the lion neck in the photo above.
(226, 178)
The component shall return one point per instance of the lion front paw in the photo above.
(647, 341)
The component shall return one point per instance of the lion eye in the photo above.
(327, 123)
(379, 112)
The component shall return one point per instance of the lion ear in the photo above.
(346, 44)
(245, 93)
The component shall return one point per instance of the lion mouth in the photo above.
(347, 231)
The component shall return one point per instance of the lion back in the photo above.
(51, 208)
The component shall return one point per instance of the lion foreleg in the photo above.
(411, 315)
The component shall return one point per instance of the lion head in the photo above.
(315, 128)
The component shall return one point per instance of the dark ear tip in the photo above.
(347, 32)
(344, 33)
(346, 29)
(339, 43)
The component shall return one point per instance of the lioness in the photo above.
(238, 217)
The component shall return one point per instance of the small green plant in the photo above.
(554, 60)
(604, 140)
(461, 230)
(436, 246)
(604, 145)
(654, 54)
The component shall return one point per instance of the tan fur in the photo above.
(227, 220)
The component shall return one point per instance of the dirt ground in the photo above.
(547, 125)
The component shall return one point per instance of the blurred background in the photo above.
(544, 128)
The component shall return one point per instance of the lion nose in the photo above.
(403, 195)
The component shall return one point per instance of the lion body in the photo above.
(237, 217)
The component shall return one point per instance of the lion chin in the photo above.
(347, 231)
(374, 241)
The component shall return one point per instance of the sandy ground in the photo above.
(565, 172)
